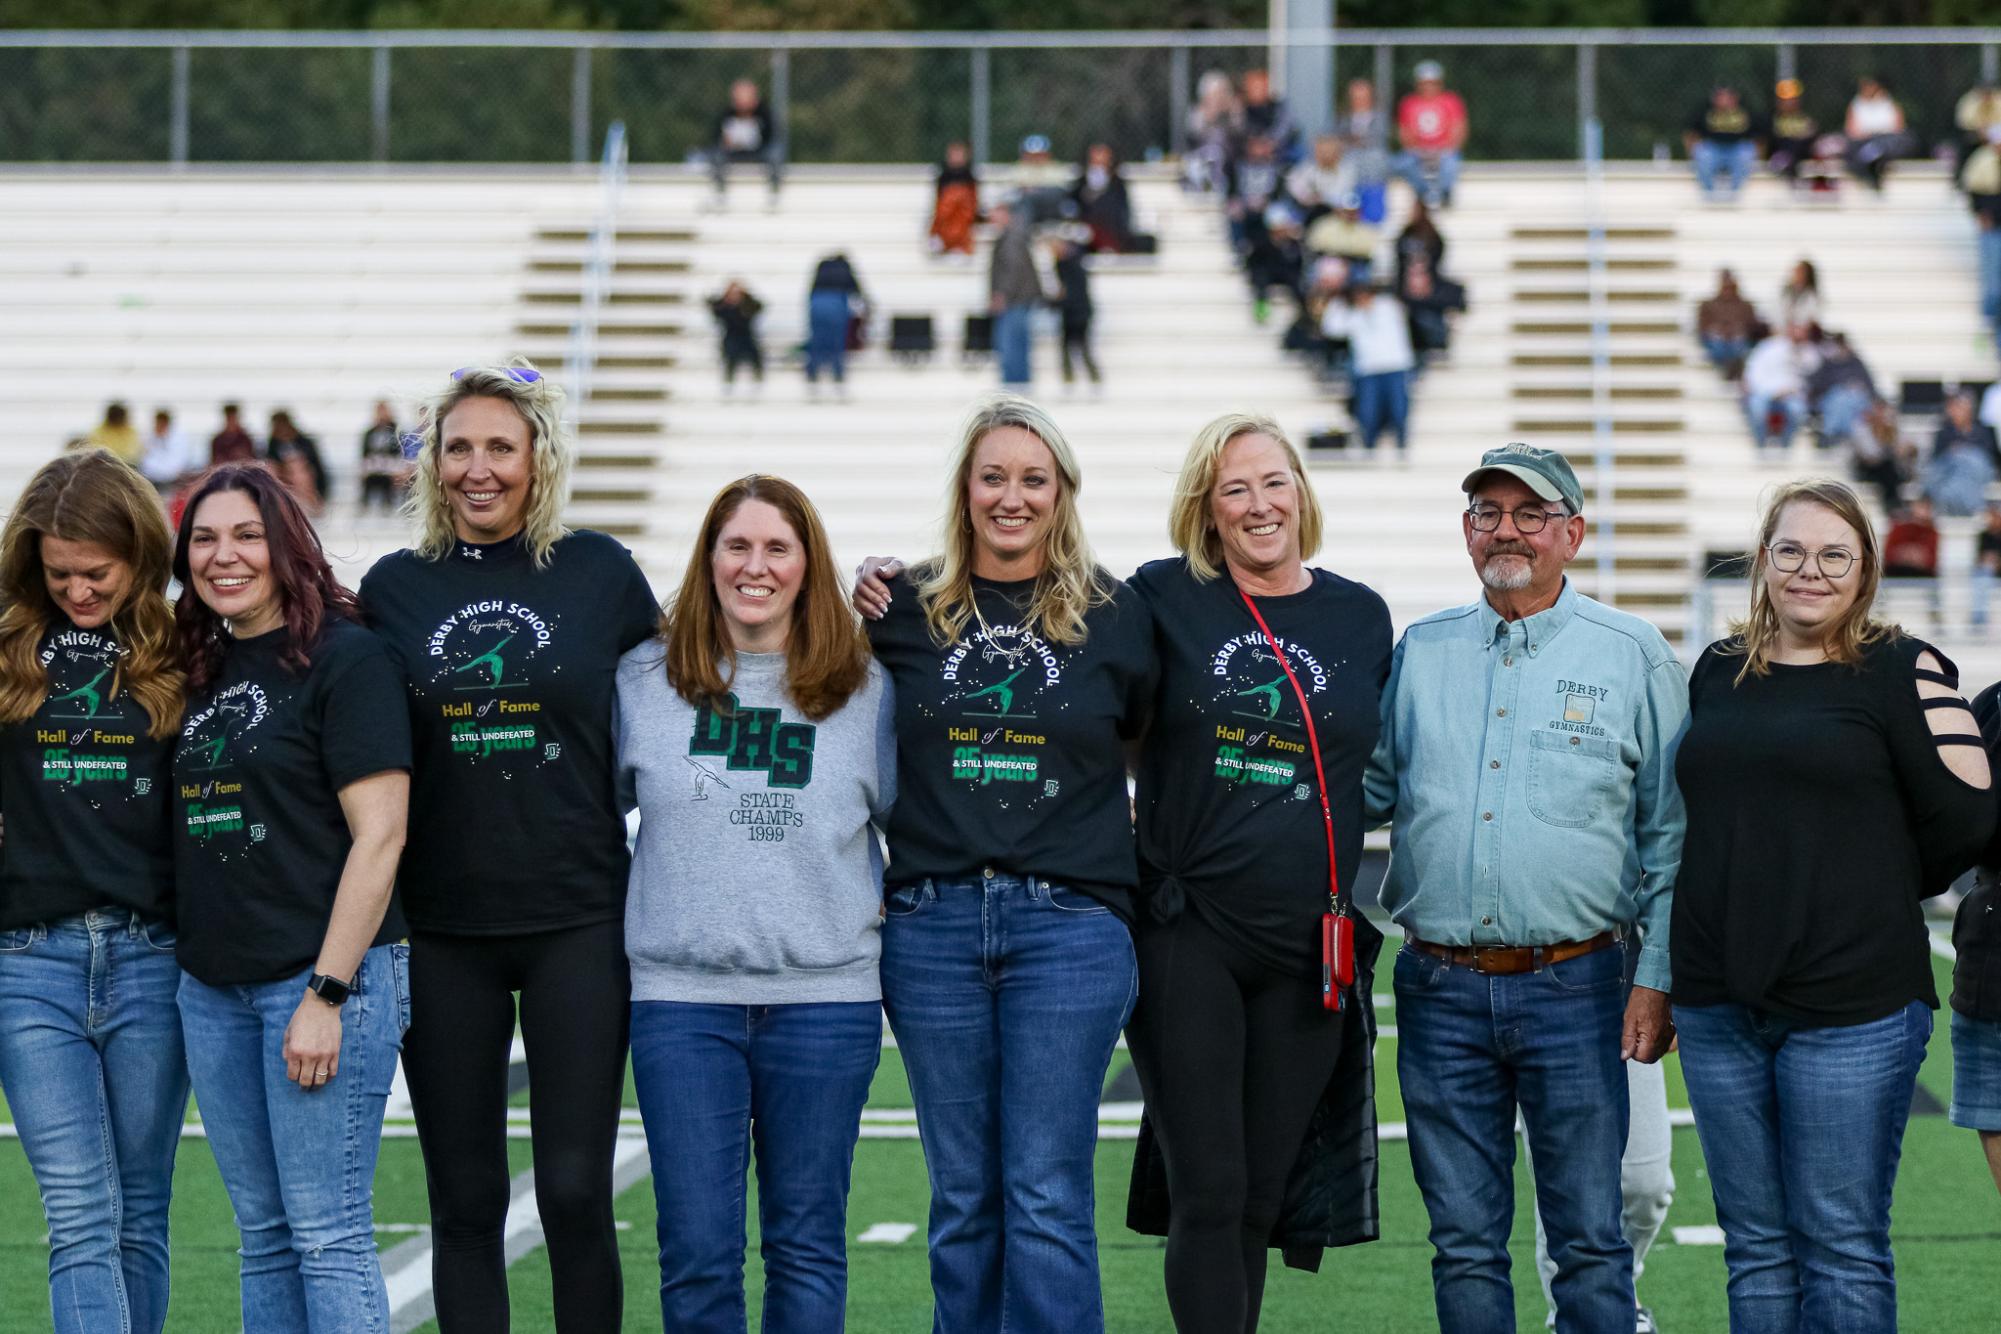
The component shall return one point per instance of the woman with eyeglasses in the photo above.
(1834, 780)
(291, 784)
(90, 1040)
(508, 627)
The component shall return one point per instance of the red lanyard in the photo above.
(1313, 741)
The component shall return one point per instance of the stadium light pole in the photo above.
(1303, 71)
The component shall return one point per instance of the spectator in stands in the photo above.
(1839, 391)
(1962, 464)
(1775, 385)
(1344, 235)
(1326, 286)
(1800, 301)
(1722, 138)
(1725, 323)
(830, 303)
(1794, 135)
(1039, 185)
(1254, 181)
(117, 434)
(1910, 548)
(384, 471)
(1981, 180)
(1986, 563)
(232, 444)
(1875, 130)
(1073, 303)
(745, 132)
(1364, 139)
(735, 313)
(1431, 127)
(164, 459)
(1279, 258)
(957, 205)
(1977, 112)
(1378, 334)
(1430, 301)
(1320, 183)
(1215, 123)
(1420, 239)
(1268, 117)
(1100, 201)
(296, 456)
(1880, 453)
(1015, 290)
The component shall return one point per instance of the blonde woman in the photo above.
(90, 1041)
(1020, 669)
(509, 627)
(1834, 780)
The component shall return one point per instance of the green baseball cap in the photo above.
(1547, 472)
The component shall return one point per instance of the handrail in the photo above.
(580, 361)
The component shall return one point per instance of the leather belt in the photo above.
(1508, 959)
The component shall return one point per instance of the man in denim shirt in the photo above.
(1514, 890)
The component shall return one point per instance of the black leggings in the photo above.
(1232, 1058)
(575, 993)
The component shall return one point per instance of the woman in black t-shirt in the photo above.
(90, 1041)
(1234, 1047)
(1020, 668)
(508, 629)
(290, 787)
(1834, 779)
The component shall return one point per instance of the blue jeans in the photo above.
(1840, 409)
(90, 1057)
(1758, 408)
(299, 1163)
(1433, 175)
(1011, 340)
(1725, 352)
(1471, 1050)
(1383, 400)
(1802, 1128)
(716, 1081)
(827, 335)
(1007, 995)
(1736, 161)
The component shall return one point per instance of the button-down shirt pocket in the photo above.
(1570, 777)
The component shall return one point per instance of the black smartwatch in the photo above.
(330, 989)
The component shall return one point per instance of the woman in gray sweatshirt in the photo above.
(756, 736)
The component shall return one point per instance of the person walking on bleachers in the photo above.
(164, 459)
(1073, 303)
(1101, 201)
(1432, 128)
(1725, 322)
(232, 444)
(1364, 134)
(1876, 132)
(1378, 333)
(955, 208)
(117, 434)
(1723, 138)
(1775, 385)
(745, 132)
(830, 303)
(1015, 290)
(1963, 461)
(736, 312)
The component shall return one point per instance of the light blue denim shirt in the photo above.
(1526, 769)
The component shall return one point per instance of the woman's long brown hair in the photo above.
(307, 590)
(90, 497)
(826, 653)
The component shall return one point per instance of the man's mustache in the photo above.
(1511, 549)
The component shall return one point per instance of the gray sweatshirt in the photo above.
(757, 879)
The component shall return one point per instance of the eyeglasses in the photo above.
(1790, 557)
(518, 374)
(1529, 519)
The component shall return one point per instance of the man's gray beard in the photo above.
(1510, 579)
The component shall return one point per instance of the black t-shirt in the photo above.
(1009, 749)
(84, 790)
(1820, 814)
(260, 839)
(514, 824)
(1229, 803)
(1724, 125)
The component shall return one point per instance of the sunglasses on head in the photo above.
(519, 374)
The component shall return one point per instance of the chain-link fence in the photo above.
(202, 97)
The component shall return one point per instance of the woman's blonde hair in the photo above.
(1071, 582)
(540, 403)
(90, 497)
(826, 652)
(1189, 525)
(1758, 633)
